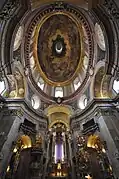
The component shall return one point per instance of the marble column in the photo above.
(14, 119)
(65, 148)
(108, 120)
(70, 153)
(53, 145)
(74, 143)
(47, 156)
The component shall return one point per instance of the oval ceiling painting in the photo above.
(58, 48)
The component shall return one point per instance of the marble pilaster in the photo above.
(109, 131)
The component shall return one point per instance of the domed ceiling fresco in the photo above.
(59, 48)
(58, 51)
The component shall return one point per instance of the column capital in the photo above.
(108, 111)
(13, 112)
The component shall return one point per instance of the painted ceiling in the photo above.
(59, 48)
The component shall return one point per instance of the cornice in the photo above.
(96, 109)
(26, 110)
(93, 107)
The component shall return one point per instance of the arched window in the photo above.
(116, 86)
(35, 101)
(2, 87)
(32, 62)
(58, 92)
(85, 62)
(82, 103)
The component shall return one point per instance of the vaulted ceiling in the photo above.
(59, 52)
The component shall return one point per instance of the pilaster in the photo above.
(10, 122)
(109, 132)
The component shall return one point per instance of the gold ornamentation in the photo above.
(59, 114)
(56, 61)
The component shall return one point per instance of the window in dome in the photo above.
(32, 62)
(58, 92)
(41, 83)
(116, 86)
(82, 103)
(85, 62)
(35, 101)
(2, 87)
(77, 83)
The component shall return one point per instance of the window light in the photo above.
(116, 86)
(35, 102)
(58, 92)
(2, 87)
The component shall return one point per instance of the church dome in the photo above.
(59, 51)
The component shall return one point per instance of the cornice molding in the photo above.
(27, 111)
(95, 106)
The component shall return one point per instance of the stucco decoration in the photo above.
(18, 38)
(16, 84)
(100, 37)
(12, 86)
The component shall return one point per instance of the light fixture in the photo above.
(88, 177)
(15, 150)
